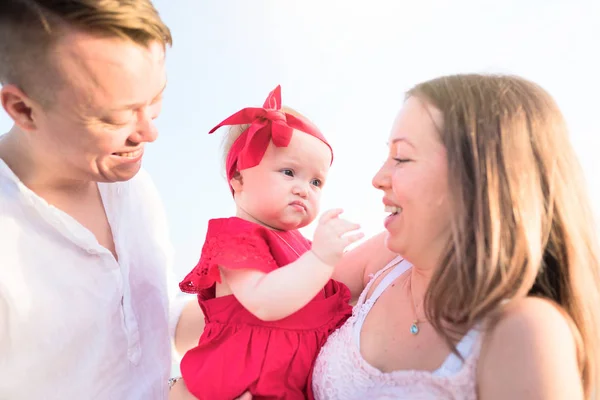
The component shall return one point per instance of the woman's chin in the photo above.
(393, 243)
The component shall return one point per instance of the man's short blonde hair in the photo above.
(29, 29)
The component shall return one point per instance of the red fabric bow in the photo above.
(266, 124)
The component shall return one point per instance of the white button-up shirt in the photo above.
(74, 322)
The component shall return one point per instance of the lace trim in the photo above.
(341, 373)
(236, 252)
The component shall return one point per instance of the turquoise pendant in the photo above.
(414, 328)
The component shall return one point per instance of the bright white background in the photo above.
(346, 64)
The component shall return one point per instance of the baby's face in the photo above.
(284, 190)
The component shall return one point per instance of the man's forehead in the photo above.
(113, 69)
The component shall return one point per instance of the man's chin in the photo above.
(121, 173)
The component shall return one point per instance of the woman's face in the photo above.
(414, 180)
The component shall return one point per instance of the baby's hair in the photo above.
(235, 131)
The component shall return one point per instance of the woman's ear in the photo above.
(237, 182)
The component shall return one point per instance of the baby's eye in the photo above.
(288, 172)
(316, 182)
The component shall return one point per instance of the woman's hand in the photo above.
(179, 391)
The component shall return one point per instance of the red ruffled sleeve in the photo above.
(231, 243)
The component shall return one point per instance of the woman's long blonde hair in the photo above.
(523, 223)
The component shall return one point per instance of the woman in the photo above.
(495, 294)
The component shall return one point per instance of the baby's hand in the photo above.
(329, 241)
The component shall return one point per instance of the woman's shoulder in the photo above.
(359, 264)
(529, 345)
(377, 255)
(530, 318)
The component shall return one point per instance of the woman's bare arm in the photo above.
(189, 327)
(358, 264)
(530, 354)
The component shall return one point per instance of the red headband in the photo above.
(266, 124)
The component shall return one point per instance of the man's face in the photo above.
(102, 113)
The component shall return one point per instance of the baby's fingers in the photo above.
(330, 215)
(342, 226)
(349, 239)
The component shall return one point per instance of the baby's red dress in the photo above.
(239, 352)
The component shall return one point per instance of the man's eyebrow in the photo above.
(138, 105)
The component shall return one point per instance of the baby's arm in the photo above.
(277, 294)
(280, 293)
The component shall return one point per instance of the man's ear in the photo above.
(18, 106)
(237, 182)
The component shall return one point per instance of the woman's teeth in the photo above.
(392, 209)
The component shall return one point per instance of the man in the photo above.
(84, 248)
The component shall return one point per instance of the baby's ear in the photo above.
(237, 182)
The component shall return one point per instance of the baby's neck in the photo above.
(246, 216)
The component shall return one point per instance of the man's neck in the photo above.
(33, 169)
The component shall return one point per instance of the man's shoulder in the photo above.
(8, 186)
(16, 226)
(11, 201)
(9, 217)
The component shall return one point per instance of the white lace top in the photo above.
(342, 373)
